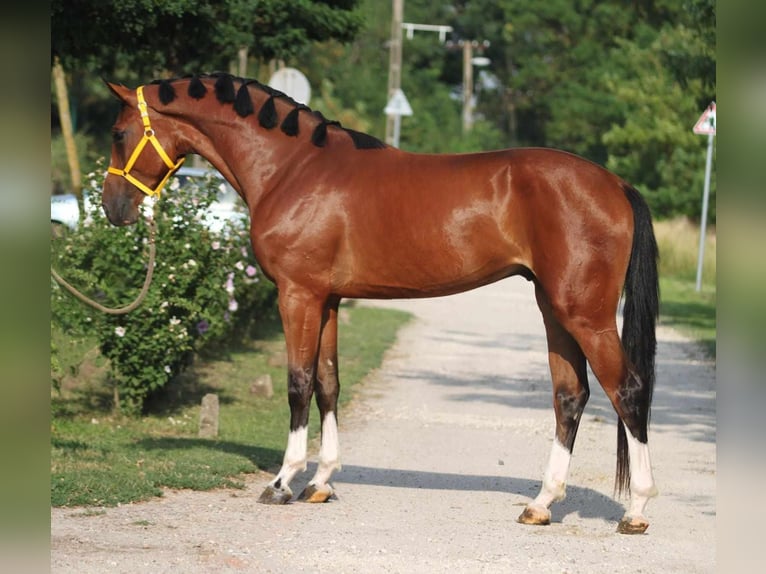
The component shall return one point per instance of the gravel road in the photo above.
(441, 450)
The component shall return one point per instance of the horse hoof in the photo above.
(272, 495)
(632, 525)
(535, 515)
(312, 493)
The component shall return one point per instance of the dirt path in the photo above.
(441, 451)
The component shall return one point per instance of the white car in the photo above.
(228, 206)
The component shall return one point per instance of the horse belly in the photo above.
(430, 263)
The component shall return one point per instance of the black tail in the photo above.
(640, 312)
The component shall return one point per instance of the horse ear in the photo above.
(122, 93)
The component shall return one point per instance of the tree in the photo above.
(187, 36)
(136, 40)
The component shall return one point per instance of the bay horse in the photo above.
(336, 213)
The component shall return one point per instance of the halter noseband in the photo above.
(148, 137)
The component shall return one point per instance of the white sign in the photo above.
(706, 124)
(398, 105)
(293, 83)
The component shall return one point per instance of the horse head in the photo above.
(135, 168)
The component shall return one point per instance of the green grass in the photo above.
(692, 313)
(682, 307)
(102, 459)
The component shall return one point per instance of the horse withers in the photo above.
(336, 214)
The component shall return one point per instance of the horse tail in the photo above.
(640, 313)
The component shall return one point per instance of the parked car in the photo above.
(228, 206)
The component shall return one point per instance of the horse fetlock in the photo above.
(556, 490)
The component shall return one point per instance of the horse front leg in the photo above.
(570, 394)
(301, 314)
(327, 389)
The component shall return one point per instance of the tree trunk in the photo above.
(62, 99)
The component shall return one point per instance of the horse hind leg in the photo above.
(630, 397)
(570, 394)
(327, 389)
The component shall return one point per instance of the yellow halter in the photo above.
(148, 137)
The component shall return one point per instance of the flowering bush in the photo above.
(206, 288)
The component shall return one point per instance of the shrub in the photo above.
(207, 287)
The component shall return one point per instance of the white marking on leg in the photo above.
(642, 486)
(328, 451)
(295, 456)
(555, 477)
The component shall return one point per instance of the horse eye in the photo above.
(118, 136)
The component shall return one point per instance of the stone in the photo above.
(208, 416)
(262, 387)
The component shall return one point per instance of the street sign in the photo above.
(293, 83)
(706, 124)
(398, 105)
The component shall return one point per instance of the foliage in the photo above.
(206, 289)
(184, 36)
(98, 458)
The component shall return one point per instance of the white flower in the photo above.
(174, 321)
(229, 285)
(239, 265)
(233, 305)
(119, 331)
(216, 245)
(167, 368)
(192, 263)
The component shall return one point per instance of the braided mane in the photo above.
(227, 92)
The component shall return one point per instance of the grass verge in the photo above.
(681, 306)
(102, 459)
(692, 313)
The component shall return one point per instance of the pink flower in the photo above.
(250, 271)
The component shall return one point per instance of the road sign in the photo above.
(706, 124)
(293, 83)
(398, 105)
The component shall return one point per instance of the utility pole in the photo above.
(469, 61)
(394, 63)
(467, 86)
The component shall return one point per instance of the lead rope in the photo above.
(144, 290)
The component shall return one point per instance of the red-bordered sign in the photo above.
(706, 124)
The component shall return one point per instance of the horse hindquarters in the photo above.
(585, 305)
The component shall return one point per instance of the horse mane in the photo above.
(227, 93)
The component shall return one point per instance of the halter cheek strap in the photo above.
(148, 137)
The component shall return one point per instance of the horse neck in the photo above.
(251, 158)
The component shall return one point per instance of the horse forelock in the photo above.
(227, 92)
